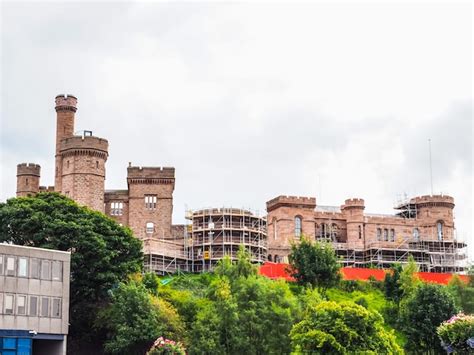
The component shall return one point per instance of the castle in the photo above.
(423, 226)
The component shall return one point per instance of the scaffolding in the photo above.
(214, 233)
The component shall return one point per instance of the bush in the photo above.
(457, 334)
(362, 301)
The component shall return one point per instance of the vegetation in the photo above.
(102, 252)
(118, 310)
(314, 264)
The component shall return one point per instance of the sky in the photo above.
(249, 101)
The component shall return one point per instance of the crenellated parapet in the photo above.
(28, 169)
(291, 201)
(433, 200)
(150, 175)
(66, 103)
(357, 203)
(84, 145)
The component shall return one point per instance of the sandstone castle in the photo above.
(422, 227)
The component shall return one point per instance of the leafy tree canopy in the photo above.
(342, 328)
(314, 264)
(102, 252)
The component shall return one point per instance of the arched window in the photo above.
(416, 234)
(297, 226)
(379, 234)
(150, 227)
(334, 230)
(439, 227)
(269, 257)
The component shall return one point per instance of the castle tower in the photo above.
(65, 112)
(150, 201)
(83, 170)
(434, 216)
(353, 211)
(289, 217)
(27, 179)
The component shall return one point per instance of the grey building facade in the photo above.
(34, 300)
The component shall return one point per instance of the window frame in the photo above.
(60, 270)
(45, 262)
(151, 202)
(298, 226)
(19, 268)
(41, 306)
(35, 304)
(7, 269)
(25, 298)
(5, 297)
(149, 227)
(35, 273)
(59, 307)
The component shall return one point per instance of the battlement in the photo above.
(46, 188)
(66, 103)
(84, 145)
(354, 203)
(280, 201)
(433, 200)
(138, 172)
(28, 169)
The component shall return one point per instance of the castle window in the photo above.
(379, 234)
(150, 202)
(97, 164)
(360, 232)
(416, 234)
(150, 227)
(116, 208)
(26, 181)
(392, 235)
(67, 164)
(385, 235)
(439, 227)
(297, 226)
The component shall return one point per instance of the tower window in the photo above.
(439, 227)
(26, 181)
(360, 232)
(392, 235)
(150, 202)
(274, 228)
(416, 234)
(116, 208)
(97, 164)
(385, 235)
(379, 234)
(297, 226)
(150, 227)
(67, 164)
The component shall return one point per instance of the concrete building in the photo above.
(422, 227)
(34, 300)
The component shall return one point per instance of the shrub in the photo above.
(457, 334)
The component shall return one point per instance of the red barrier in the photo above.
(280, 271)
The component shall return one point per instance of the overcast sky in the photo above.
(250, 101)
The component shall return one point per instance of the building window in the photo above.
(392, 235)
(439, 227)
(379, 234)
(150, 202)
(33, 306)
(56, 308)
(45, 269)
(22, 267)
(1, 264)
(44, 307)
(67, 164)
(26, 181)
(116, 208)
(56, 270)
(297, 226)
(416, 234)
(360, 232)
(150, 227)
(10, 267)
(34, 268)
(97, 165)
(20, 305)
(8, 308)
(385, 235)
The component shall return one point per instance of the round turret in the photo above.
(28, 179)
(83, 169)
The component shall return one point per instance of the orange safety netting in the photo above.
(280, 271)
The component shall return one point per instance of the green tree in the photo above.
(463, 294)
(314, 264)
(425, 309)
(391, 284)
(102, 252)
(340, 328)
(409, 281)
